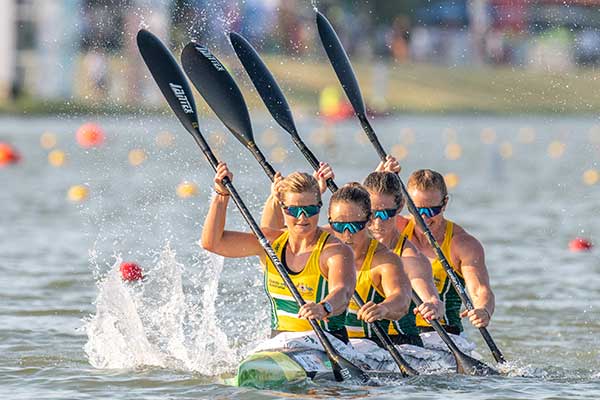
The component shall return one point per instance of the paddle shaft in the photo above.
(312, 160)
(331, 352)
(404, 367)
(460, 289)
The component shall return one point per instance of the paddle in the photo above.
(277, 105)
(273, 97)
(243, 130)
(343, 69)
(176, 90)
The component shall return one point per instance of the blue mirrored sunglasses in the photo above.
(352, 227)
(384, 214)
(430, 212)
(297, 211)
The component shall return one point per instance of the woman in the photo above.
(387, 202)
(381, 282)
(320, 266)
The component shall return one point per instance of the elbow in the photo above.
(208, 245)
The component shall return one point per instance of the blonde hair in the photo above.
(427, 179)
(386, 183)
(298, 182)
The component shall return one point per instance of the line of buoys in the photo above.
(591, 177)
(451, 180)
(8, 154)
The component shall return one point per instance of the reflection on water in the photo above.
(524, 187)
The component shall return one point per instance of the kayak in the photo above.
(293, 357)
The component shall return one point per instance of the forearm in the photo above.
(484, 298)
(426, 291)
(396, 306)
(214, 223)
(272, 216)
(339, 299)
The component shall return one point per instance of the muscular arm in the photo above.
(389, 277)
(337, 264)
(473, 268)
(418, 270)
(226, 243)
(337, 260)
(396, 288)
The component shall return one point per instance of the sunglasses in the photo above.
(297, 211)
(430, 212)
(352, 227)
(384, 214)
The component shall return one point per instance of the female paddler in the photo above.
(381, 281)
(320, 265)
(387, 202)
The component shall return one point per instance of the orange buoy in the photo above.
(8, 154)
(130, 271)
(580, 244)
(90, 135)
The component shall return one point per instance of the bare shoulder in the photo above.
(384, 256)
(270, 233)
(466, 246)
(334, 246)
(410, 250)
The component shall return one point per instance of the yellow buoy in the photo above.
(48, 140)
(488, 136)
(506, 150)
(451, 180)
(57, 158)
(187, 189)
(77, 193)
(453, 151)
(556, 149)
(165, 139)
(407, 135)
(137, 157)
(591, 177)
(526, 135)
(269, 138)
(278, 154)
(399, 151)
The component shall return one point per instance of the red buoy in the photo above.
(130, 271)
(89, 135)
(8, 154)
(580, 244)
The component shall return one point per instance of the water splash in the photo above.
(160, 322)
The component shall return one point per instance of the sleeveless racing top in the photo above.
(311, 284)
(441, 280)
(405, 325)
(367, 292)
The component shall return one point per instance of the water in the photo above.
(71, 329)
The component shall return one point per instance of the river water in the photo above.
(71, 329)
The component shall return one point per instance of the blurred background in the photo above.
(458, 55)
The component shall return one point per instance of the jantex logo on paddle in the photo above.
(213, 60)
(183, 100)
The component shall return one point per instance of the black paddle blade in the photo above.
(345, 371)
(170, 78)
(218, 89)
(340, 62)
(264, 82)
(470, 366)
